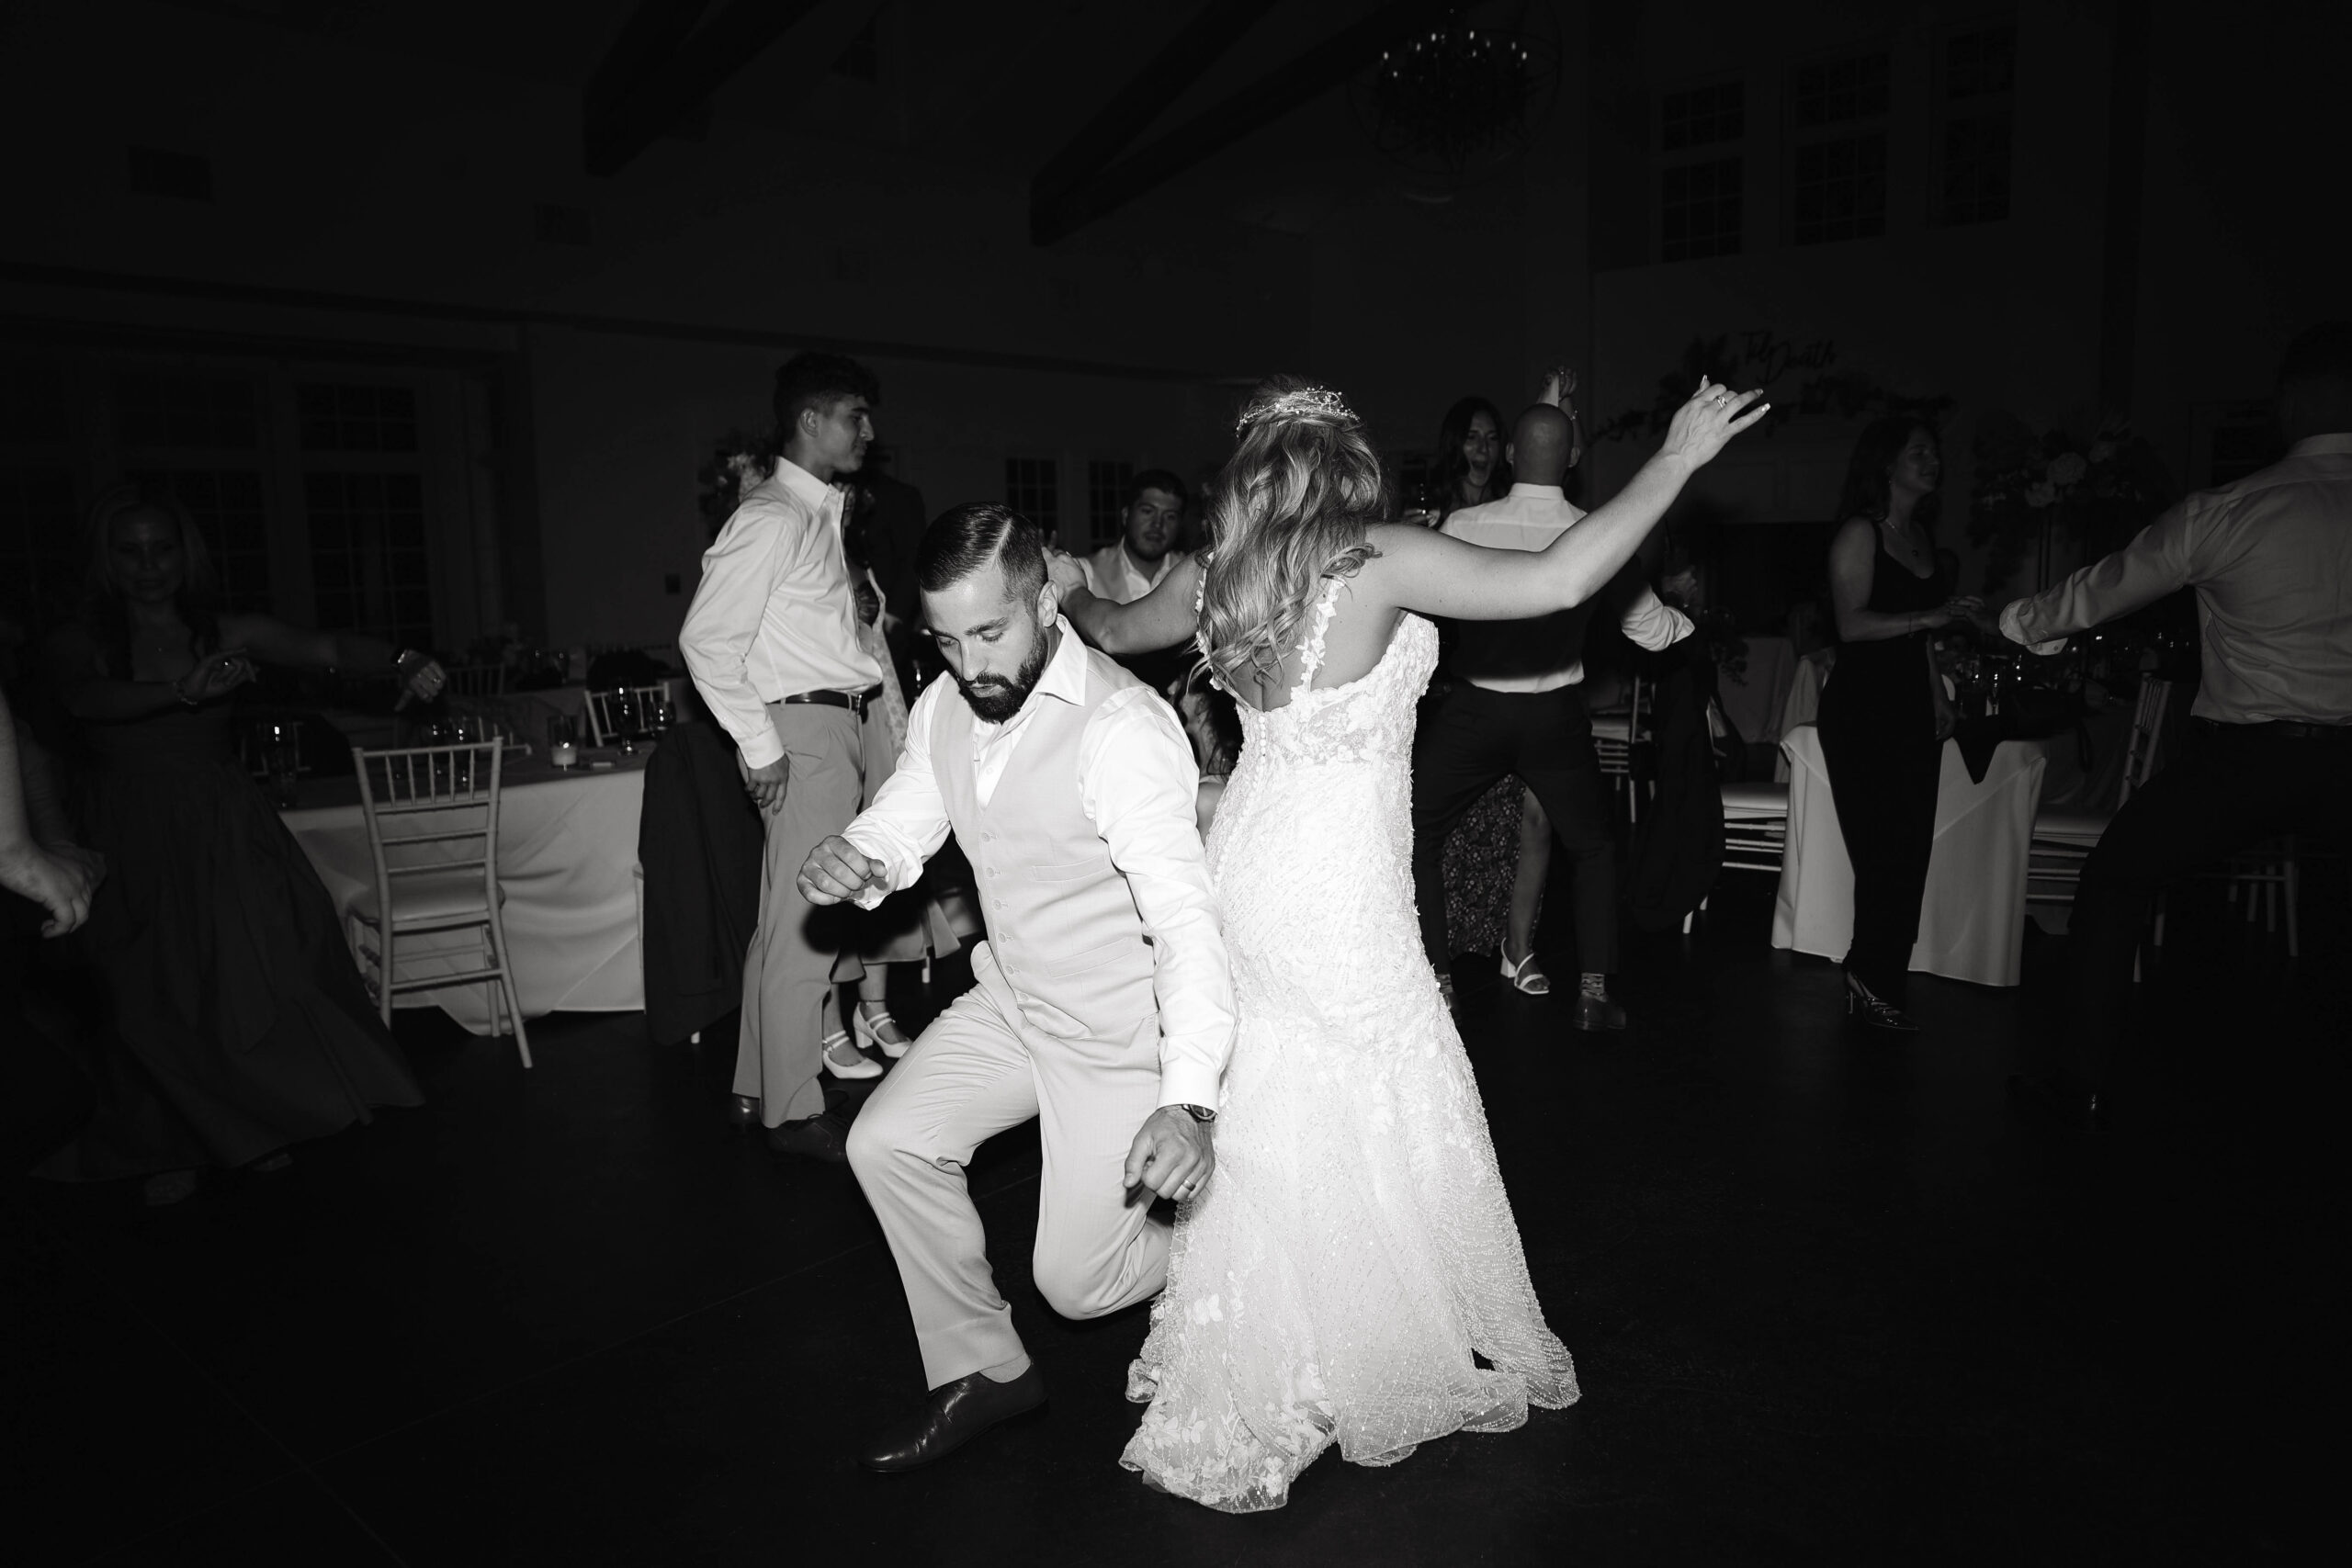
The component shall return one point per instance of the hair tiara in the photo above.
(1314, 401)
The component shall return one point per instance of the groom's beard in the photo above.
(995, 699)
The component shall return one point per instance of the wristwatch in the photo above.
(1198, 1113)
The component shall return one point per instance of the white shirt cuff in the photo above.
(2013, 627)
(1188, 1083)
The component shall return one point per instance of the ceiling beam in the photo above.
(698, 62)
(1198, 45)
(648, 38)
(1054, 216)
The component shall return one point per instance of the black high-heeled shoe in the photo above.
(1874, 1011)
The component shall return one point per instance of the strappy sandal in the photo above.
(859, 1065)
(870, 1032)
(1524, 975)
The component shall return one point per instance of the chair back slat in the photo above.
(609, 711)
(431, 808)
(2147, 728)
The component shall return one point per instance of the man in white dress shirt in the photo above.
(770, 639)
(1102, 1002)
(2269, 748)
(1517, 706)
(1133, 564)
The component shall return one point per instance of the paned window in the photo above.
(1699, 172)
(1033, 487)
(1980, 73)
(1106, 495)
(153, 409)
(357, 419)
(1699, 209)
(1702, 117)
(40, 536)
(369, 568)
(1838, 154)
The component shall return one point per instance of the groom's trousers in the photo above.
(982, 1067)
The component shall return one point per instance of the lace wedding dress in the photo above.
(1355, 1247)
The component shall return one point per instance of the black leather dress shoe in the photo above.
(1598, 1014)
(954, 1414)
(824, 1137)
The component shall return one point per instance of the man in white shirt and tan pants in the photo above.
(2269, 748)
(1102, 1002)
(770, 639)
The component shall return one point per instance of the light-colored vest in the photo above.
(1063, 928)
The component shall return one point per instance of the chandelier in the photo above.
(1463, 96)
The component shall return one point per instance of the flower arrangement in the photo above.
(2035, 492)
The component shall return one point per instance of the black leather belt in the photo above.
(2284, 729)
(854, 701)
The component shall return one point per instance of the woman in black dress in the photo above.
(240, 1021)
(1883, 714)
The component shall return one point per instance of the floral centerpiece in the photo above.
(2042, 494)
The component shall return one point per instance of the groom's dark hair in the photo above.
(963, 539)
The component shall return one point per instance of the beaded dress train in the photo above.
(1355, 1247)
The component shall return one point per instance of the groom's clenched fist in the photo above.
(1171, 1156)
(836, 873)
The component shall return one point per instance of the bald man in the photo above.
(1517, 706)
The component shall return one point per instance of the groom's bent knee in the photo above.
(873, 1140)
(1075, 1293)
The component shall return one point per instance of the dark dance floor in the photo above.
(1830, 1301)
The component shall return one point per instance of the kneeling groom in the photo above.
(1103, 1001)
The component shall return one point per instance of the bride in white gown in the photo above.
(1354, 1255)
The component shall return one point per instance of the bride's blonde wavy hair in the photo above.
(1289, 509)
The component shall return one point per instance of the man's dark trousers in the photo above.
(2236, 785)
(1470, 738)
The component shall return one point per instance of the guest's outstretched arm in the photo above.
(1161, 618)
(1437, 575)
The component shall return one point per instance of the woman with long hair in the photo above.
(1883, 714)
(1468, 469)
(242, 1023)
(1340, 1277)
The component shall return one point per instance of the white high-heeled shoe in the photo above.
(869, 1032)
(861, 1067)
(1524, 975)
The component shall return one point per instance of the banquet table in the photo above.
(526, 714)
(567, 859)
(1972, 920)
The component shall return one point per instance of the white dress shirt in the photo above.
(2270, 558)
(1546, 652)
(1137, 781)
(774, 614)
(1112, 574)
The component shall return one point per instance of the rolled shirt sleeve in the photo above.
(2158, 560)
(739, 574)
(1138, 784)
(908, 821)
(1649, 621)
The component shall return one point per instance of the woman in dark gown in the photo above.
(240, 1023)
(1883, 714)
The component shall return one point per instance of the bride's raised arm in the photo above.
(1426, 571)
(1161, 618)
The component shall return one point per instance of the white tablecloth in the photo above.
(1972, 921)
(1752, 700)
(1802, 704)
(567, 853)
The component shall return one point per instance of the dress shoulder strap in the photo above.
(1310, 649)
